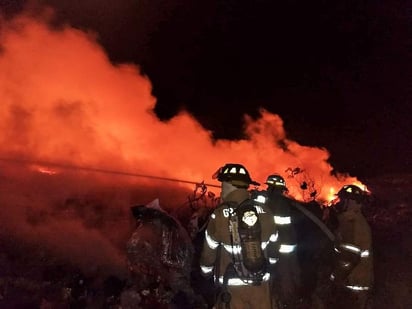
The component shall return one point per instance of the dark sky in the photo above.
(339, 73)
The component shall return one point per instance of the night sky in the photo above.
(339, 73)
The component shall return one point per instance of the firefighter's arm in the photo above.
(272, 249)
(210, 248)
(287, 234)
(288, 252)
(287, 241)
(347, 257)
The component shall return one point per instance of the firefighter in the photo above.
(159, 256)
(353, 271)
(305, 245)
(240, 244)
(287, 282)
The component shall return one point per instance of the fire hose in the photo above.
(317, 221)
(98, 170)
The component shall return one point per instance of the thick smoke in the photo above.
(63, 103)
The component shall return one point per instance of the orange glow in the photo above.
(45, 170)
(332, 194)
(63, 101)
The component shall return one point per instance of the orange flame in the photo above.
(64, 101)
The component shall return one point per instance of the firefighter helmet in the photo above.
(276, 180)
(236, 174)
(350, 192)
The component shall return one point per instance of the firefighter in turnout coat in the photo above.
(353, 273)
(240, 263)
(287, 280)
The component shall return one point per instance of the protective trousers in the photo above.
(248, 297)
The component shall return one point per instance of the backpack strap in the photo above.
(235, 242)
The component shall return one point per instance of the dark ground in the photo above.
(31, 277)
(390, 220)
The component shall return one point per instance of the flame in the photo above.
(64, 101)
(332, 195)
